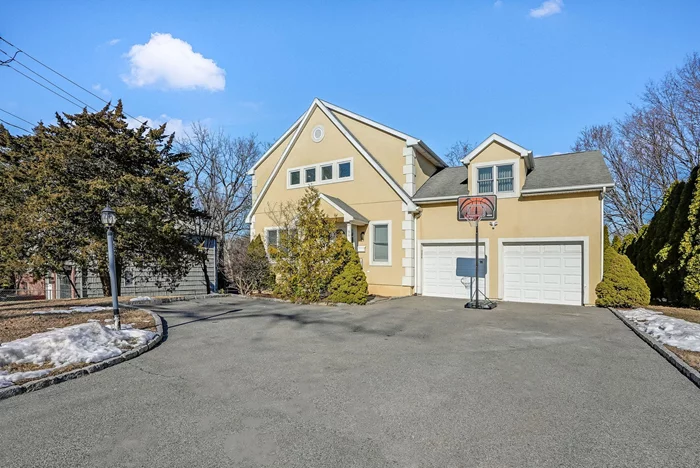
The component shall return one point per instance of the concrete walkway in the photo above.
(415, 382)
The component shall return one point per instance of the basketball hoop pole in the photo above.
(477, 262)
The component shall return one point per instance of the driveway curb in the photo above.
(92, 368)
(685, 369)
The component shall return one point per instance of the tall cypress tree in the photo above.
(67, 172)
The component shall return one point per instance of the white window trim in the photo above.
(494, 164)
(336, 179)
(371, 242)
(271, 228)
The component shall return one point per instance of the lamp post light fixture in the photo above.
(109, 218)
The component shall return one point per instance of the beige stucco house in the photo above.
(396, 200)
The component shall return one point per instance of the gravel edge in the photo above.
(685, 369)
(8, 392)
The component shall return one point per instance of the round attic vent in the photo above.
(317, 133)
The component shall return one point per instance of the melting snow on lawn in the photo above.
(72, 310)
(87, 342)
(668, 330)
(140, 298)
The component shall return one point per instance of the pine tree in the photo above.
(349, 286)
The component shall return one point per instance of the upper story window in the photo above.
(496, 178)
(324, 173)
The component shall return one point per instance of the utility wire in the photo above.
(84, 104)
(13, 125)
(16, 116)
(44, 86)
(62, 76)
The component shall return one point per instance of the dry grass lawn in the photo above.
(17, 319)
(690, 357)
(690, 315)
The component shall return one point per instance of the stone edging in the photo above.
(92, 368)
(685, 369)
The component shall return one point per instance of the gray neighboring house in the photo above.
(136, 282)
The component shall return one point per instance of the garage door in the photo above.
(439, 270)
(550, 273)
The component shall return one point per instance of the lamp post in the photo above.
(109, 218)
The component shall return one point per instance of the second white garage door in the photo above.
(550, 273)
(440, 270)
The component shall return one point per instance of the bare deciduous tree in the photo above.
(218, 168)
(654, 145)
(457, 152)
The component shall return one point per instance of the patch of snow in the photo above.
(668, 330)
(140, 298)
(72, 310)
(84, 343)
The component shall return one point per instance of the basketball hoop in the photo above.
(473, 215)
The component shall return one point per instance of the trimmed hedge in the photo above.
(350, 285)
(622, 286)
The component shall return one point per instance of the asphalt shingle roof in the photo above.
(550, 172)
(347, 208)
(568, 170)
(451, 181)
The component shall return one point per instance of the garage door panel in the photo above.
(439, 276)
(545, 272)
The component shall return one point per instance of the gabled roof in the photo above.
(559, 173)
(450, 182)
(353, 141)
(350, 215)
(570, 172)
(495, 137)
(410, 141)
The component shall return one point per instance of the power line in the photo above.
(16, 116)
(62, 76)
(84, 104)
(13, 125)
(43, 86)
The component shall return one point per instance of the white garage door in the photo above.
(439, 270)
(548, 273)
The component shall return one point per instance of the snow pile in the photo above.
(87, 342)
(667, 330)
(71, 310)
(140, 298)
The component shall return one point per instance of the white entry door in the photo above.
(439, 275)
(549, 273)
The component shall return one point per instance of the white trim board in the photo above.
(368, 157)
(410, 141)
(543, 240)
(347, 217)
(275, 145)
(495, 137)
(565, 189)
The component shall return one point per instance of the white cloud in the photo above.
(177, 126)
(498, 4)
(100, 89)
(548, 8)
(113, 42)
(172, 64)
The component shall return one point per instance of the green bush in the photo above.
(622, 286)
(350, 285)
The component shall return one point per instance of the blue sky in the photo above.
(441, 71)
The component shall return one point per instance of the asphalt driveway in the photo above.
(412, 382)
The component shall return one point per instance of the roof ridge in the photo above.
(566, 154)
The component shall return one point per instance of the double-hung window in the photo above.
(499, 178)
(381, 243)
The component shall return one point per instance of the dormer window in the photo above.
(504, 179)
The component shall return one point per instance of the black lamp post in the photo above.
(109, 218)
